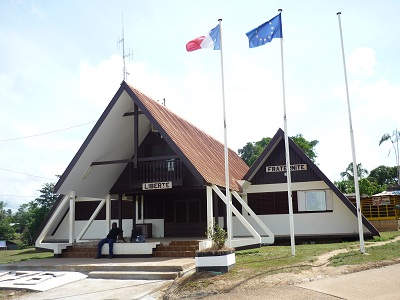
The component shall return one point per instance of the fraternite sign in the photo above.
(157, 185)
(300, 167)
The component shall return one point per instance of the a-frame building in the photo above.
(144, 166)
(320, 209)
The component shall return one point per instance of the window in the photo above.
(317, 200)
(272, 203)
(153, 207)
(170, 165)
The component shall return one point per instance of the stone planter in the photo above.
(215, 261)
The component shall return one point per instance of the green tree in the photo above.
(47, 196)
(368, 188)
(308, 147)
(394, 139)
(349, 173)
(345, 186)
(31, 215)
(383, 176)
(6, 230)
(252, 150)
(24, 217)
(368, 185)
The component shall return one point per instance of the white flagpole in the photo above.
(227, 191)
(288, 176)
(353, 150)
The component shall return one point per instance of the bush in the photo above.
(217, 235)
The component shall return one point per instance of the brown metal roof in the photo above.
(204, 152)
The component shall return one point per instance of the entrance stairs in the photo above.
(177, 249)
(174, 248)
(80, 250)
(151, 268)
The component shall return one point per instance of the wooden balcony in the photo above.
(168, 170)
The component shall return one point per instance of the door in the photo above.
(187, 218)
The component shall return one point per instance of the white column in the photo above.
(71, 236)
(108, 213)
(137, 209)
(142, 204)
(244, 211)
(210, 217)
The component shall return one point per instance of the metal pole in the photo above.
(288, 176)
(397, 157)
(355, 171)
(227, 191)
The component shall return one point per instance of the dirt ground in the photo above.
(216, 288)
(13, 294)
(253, 286)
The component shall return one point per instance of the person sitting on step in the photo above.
(111, 238)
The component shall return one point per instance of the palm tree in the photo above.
(349, 174)
(394, 139)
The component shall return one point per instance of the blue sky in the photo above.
(60, 65)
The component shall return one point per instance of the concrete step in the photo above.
(92, 254)
(103, 265)
(85, 250)
(184, 243)
(177, 249)
(133, 275)
(81, 249)
(174, 253)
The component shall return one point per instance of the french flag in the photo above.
(210, 40)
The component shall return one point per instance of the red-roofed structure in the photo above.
(144, 166)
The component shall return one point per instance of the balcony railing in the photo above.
(157, 171)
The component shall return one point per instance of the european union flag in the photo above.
(266, 32)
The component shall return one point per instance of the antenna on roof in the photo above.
(129, 54)
(163, 101)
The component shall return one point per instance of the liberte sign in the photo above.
(157, 185)
(300, 167)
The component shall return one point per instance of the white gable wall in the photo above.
(113, 140)
(341, 221)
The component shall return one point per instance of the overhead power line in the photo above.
(39, 134)
(27, 174)
(2, 195)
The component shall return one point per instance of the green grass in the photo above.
(278, 259)
(274, 259)
(385, 236)
(10, 256)
(373, 254)
(385, 252)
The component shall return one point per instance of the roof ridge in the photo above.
(203, 151)
(136, 90)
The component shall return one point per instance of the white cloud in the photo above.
(36, 10)
(362, 61)
(99, 83)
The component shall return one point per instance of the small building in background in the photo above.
(8, 245)
(382, 210)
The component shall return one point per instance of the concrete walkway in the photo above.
(103, 289)
(77, 278)
(87, 265)
(381, 283)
